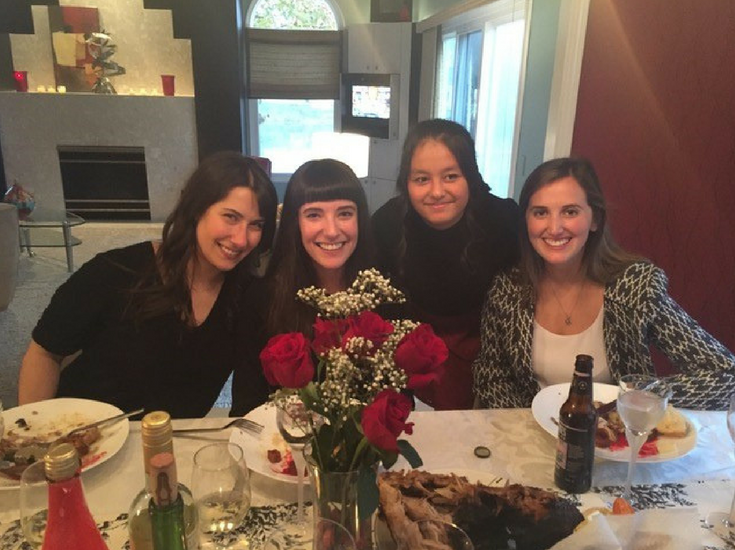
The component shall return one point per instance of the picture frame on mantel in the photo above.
(387, 11)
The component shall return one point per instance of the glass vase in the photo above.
(334, 496)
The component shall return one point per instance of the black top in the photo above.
(433, 275)
(249, 370)
(160, 363)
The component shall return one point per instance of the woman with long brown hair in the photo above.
(577, 292)
(155, 324)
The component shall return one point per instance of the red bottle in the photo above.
(70, 524)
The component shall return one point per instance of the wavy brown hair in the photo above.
(291, 268)
(166, 286)
(603, 259)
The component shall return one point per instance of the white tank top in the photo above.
(553, 355)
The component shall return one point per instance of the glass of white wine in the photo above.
(34, 503)
(221, 488)
(723, 523)
(642, 401)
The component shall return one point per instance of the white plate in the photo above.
(256, 449)
(46, 418)
(547, 402)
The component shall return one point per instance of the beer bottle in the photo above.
(575, 451)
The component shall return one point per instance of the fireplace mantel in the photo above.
(32, 125)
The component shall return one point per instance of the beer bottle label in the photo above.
(574, 457)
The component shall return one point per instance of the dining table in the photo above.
(520, 452)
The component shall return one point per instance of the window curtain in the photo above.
(287, 64)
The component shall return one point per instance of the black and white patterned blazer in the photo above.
(638, 313)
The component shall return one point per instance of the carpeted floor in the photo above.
(40, 275)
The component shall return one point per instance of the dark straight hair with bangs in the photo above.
(291, 268)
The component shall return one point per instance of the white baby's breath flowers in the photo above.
(369, 290)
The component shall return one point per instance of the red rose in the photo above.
(371, 326)
(286, 361)
(327, 334)
(420, 354)
(384, 419)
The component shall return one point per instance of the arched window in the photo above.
(283, 129)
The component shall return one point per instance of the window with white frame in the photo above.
(288, 131)
(477, 85)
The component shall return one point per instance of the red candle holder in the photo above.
(167, 82)
(21, 80)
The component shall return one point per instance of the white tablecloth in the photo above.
(521, 452)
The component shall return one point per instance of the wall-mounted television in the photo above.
(370, 104)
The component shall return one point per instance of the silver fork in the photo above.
(240, 423)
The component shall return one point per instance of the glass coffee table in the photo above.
(37, 230)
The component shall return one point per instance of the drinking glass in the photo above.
(326, 535)
(294, 425)
(34, 503)
(722, 523)
(642, 401)
(220, 484)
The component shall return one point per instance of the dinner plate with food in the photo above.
(269, 454)
(30, 429)
(674, 436)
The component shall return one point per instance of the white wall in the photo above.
(145, 47)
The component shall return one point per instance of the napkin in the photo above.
(667, 529)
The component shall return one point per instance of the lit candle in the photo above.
(61, 89)
(40, 89)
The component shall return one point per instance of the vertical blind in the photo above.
(288, 64)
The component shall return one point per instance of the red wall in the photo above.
(656, 115)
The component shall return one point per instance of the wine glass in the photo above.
(642, 401)
(34, 503)
(722, 523)
(326, 535)
(294, 425)
(221, 488)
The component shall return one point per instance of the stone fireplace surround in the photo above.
(32, 125)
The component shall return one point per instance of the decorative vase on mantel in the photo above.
(335, 497)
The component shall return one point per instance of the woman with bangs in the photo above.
(323, 240)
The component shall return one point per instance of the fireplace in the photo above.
(105, 183)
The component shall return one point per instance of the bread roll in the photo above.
(673, 424)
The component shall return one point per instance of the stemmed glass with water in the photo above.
(294, 425)
(722, 523)
(642, 401)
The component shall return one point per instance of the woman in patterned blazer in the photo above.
(576, 291)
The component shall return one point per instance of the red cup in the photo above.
(167, 81)
(21, 80)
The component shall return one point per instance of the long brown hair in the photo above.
(291, 268)
(603, 259)
(458, 140)
(166, 286)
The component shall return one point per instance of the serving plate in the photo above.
(256, 450)
(53, 418)
(549, 400)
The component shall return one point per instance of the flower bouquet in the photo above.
(352, 378)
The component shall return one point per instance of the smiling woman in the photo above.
(324, 240)
(157, 323)
(442, 240)
(578, 292)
